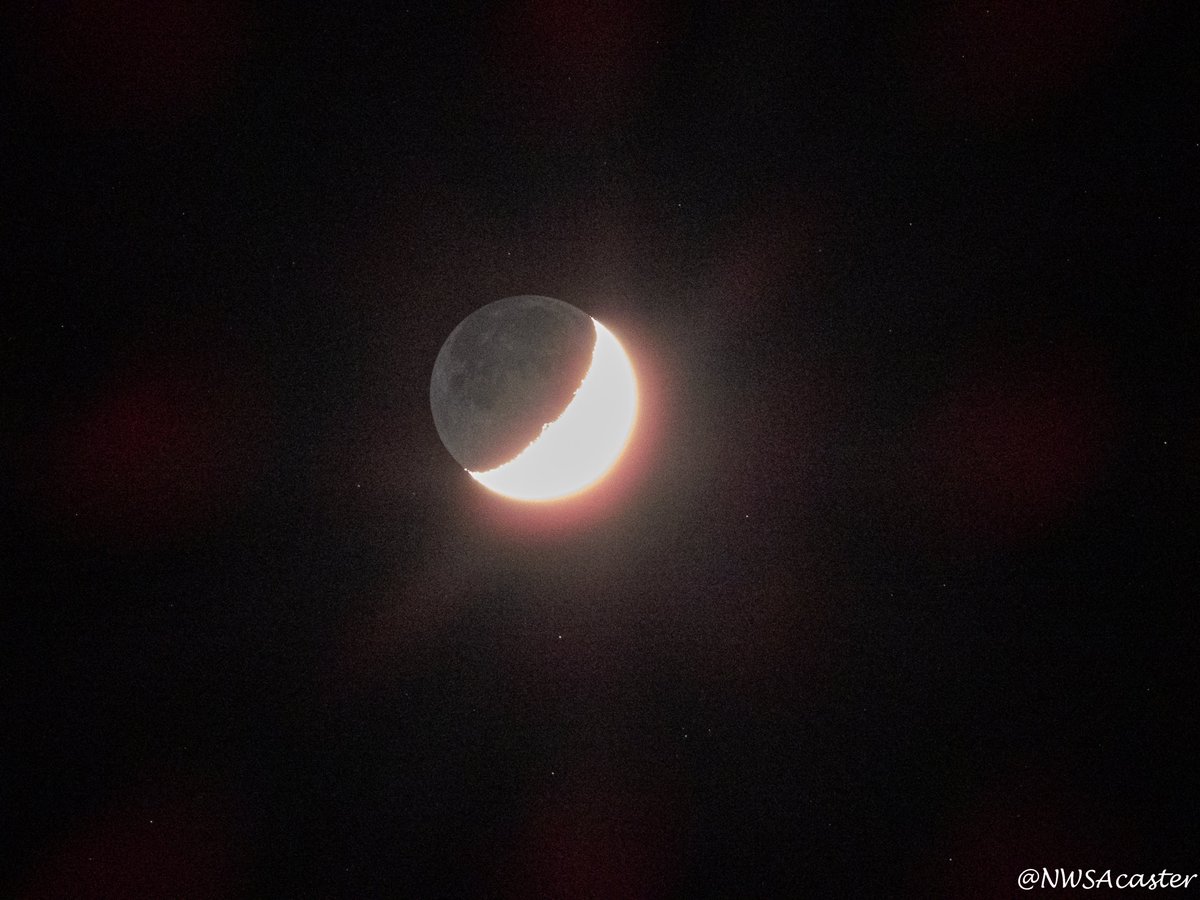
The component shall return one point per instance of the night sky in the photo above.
(892, 595)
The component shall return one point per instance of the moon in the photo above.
(533, 398)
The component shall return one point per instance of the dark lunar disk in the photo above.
(508, 369)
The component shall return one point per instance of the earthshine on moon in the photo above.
(533, 398)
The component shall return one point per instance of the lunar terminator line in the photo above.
(533, 398)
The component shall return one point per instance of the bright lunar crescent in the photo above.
(535, 399)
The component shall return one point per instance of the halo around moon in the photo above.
(533, 398)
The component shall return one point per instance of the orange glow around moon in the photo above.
(579, 447)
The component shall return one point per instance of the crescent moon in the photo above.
(578, 448)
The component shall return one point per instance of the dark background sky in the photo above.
(894, 593)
